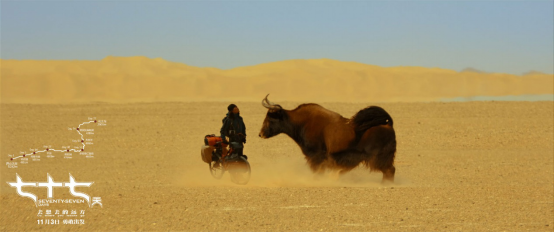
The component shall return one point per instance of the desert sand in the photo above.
(474, 166)
(141, 79)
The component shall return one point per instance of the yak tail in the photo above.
(370, 117)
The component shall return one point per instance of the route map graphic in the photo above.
(34, 153)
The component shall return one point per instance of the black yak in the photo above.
(330, 141)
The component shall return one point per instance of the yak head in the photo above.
(276, 120)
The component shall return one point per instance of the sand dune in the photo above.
(137, 79)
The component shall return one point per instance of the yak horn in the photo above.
(269, 105)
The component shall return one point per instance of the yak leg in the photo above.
(382, 160)
(379, 144)
(386, 164)
(388, 174)
(316, 161)
(347, 160)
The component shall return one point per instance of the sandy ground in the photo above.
(479, 166)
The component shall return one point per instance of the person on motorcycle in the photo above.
(233, 127)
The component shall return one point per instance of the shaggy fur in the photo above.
(330, 141)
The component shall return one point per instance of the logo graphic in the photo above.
(20, 184)
(68, 151)
(50, 185)
(97, 200)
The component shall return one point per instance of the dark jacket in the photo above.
(233, 123)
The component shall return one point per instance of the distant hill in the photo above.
(137, 79)
(472, 70)
(533, 73)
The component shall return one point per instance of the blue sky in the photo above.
(493, 36)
